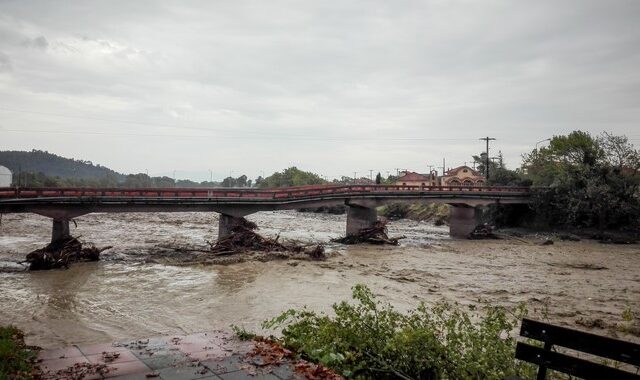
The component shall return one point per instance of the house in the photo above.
(462, 176)
(416, 179)
(5, 177)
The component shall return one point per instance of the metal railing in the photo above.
(276, 193)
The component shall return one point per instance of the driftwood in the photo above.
(377, 234)
(61, 253)
(483, 231)
(244, 238)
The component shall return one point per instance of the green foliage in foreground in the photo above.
(16, 360)
(371, 340)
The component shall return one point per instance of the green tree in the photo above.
(136, 181)
(378, 178)
(592, 182)
(291, 177)
(229, 182)
(163, 181)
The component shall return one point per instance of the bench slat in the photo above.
(598, 345)
(570, 365)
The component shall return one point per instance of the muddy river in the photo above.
(130, 295)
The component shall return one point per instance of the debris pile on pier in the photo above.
(62, 253)
(377, 234)
(244, 238)
(483, 231)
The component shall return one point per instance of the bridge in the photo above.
(64, 204)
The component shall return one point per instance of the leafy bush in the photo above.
(435, 212)
(588, 181)
(371, 340)
(16, 359)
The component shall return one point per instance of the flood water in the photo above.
(128, 295)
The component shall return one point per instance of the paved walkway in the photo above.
(211, 355)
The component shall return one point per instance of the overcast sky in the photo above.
(250, 87)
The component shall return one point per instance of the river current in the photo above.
(130, 295)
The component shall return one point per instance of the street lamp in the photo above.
(541, 141)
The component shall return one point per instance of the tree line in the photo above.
(579, 180)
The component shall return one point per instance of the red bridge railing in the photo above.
(277, 193)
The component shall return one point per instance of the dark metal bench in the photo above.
(596, 345)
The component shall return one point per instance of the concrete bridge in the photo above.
(63, 204)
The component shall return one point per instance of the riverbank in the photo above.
(436, 213)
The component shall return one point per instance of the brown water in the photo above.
(125, 296)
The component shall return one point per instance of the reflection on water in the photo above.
(123, 297)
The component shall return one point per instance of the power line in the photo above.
(486, 170)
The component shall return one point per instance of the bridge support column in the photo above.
(226, 224)
(359, 217)
(60, 230)
(462, 220)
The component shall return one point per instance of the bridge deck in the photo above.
(279, 193)
(62, 204)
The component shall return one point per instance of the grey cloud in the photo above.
(353, 75)
(37, 43)
(5, 62)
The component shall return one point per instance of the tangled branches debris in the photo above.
(377, 234)
(61, 253)
(483, 231)
(244, 238)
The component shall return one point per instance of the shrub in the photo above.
(371, 340)
(16, 359)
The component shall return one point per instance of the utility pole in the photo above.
(370, 174)
(443, 166)
(354, 177)
(486, 170)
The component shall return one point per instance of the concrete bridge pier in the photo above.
(359, 217)
(60, 230)
(463, 219)
(226, 224)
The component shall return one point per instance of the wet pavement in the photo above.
(208, 355)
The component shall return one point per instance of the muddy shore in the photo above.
(142, 287)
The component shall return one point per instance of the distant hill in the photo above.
(52, 165)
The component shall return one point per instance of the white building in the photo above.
(5, 177)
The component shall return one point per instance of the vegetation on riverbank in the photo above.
(430, 212)
(370, 340)
(592, 182)
(16, 358)
(579, 181)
